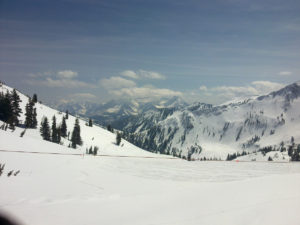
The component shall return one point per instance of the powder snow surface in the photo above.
(76, 190)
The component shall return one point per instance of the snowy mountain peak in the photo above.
(290, 92)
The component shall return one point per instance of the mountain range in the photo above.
(205, 131)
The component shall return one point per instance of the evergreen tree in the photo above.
(30, 115)
(54, 135)
(91, 150)
(6, 111)
(15, 103)
(76, 139)
(95, 150)
(118, 138)
(67, 114)
(58, 130)
(63, 128)
(292, 140)
(34, 98)
(45, 129)
(34, 120)
(109, 128)
(90, 122)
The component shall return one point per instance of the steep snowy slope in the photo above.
(202, 130)
(91, 136)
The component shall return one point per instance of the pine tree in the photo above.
(6, 112)
(34, 119)
(45, 129)
(67, 114)
(76, 139)
(91, 150)
(54, 130)
(90, 122)
(109, 128)
(118, 138)
(63, 128)
(15, 103)
(34, 98)
(58, 130)
(95, 150)
(28, 114)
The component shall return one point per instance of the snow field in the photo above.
(62, 189)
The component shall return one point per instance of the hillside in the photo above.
(91, 136)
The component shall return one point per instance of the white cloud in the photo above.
(264, 87)
(130, 74)
(67, 74)
(124, 88)
(62, 83)
(39, 75)
(151, 75)
(220, 94)
(116, 83)
(285, 73)
(145, 92)
(62, 79)
(142, 74)
(84, 96)
(203, 88)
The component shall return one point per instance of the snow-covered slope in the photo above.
(76, 190)
(202, 130)
(91, 136)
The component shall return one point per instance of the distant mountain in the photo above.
(204, 131)
(118, 112)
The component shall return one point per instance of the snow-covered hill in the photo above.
(201, 130)
(91, 136)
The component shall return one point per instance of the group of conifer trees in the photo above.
(10, 110)
(55, 133)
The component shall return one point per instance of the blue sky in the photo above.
(208, 51)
